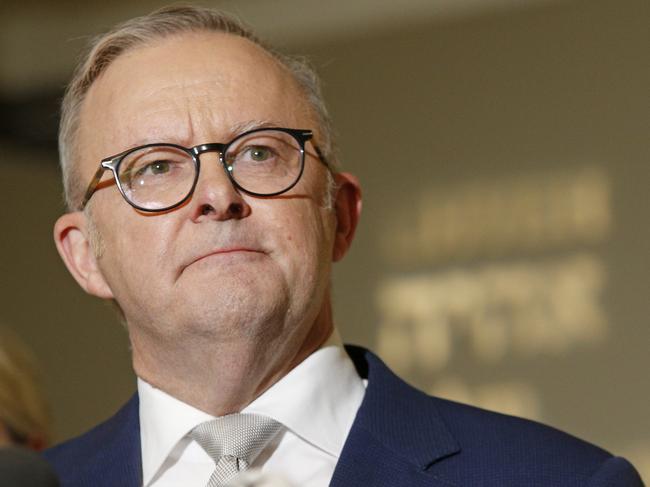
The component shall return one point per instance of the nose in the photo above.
(215, 197)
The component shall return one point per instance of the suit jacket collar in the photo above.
(398, 434)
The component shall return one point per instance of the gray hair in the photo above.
(168, 21)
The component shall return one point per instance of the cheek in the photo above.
(134, 260)
(306, 242)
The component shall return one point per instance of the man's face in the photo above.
(223, 263)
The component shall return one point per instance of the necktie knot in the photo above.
(234, 442)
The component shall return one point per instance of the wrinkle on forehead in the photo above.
(170, 91)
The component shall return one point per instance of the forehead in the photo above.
(188, 89)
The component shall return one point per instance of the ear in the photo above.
(347, 206)
(72, 242)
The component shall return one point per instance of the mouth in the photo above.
(225, 254)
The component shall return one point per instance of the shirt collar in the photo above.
(164, 421)
(325, 386)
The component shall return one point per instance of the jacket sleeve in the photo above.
(616, 472)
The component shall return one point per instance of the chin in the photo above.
(229, 313)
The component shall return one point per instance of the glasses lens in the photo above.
(157, 177)
(265, 162)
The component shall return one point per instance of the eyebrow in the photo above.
(234, 130)
(241, 127)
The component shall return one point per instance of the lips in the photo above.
(232, 250)
(224, 251)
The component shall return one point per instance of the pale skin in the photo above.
(227, 293)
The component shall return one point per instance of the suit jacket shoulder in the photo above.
(106, 456)
(402, 436)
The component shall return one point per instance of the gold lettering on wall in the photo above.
(495, 217)
(518, 309)
(507, 273)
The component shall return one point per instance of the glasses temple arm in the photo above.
(92, 187)
(321, 156)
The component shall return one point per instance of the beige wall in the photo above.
(503, 254)
(502, 257)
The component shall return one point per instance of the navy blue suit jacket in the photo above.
(400, 437)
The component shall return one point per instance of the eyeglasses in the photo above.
(159, 177)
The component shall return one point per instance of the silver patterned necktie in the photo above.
(233, 442)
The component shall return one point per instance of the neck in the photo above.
(223, 378)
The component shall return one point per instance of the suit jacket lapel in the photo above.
(397, 435)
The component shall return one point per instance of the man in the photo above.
(212, 222)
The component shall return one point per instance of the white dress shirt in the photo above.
(316, 403)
